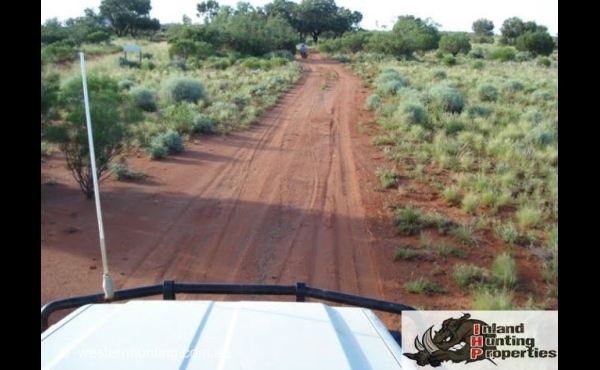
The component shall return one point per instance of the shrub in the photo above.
(58, 52)
(252, 63)
(184, 89)
(172, 141)
(423, 286)
(97, 37)
(281, 54)
(278, 62)
(413, 112)
(407, 254)
(504, 271)
(122, 172)
(529, 216)
(513, 85)
(446, 97)
(388, 177)
(470, 203)
(50, 90)
(156, 149)
(221, 64)
(533, 115)
(452, 125)
(452, 195)
(477, 64)
(389, 87)
(503, 54)
(508, 233)
(468, 274)
(390, 74)
(203, 124)
(449, 60)
(523, 56)
(476, 54)
(179, 117)
(455, 43)
(144, 98)
(373, 102)
(491, 300)
(109, 130)
(126, 63)
(479, 111)
(148, 65)
(487, 92)
(541, 135)
(537, 43)
(126, 84)
(466, 235)
(438, 74)
(543, 62)
(183, 49)
(46, 149)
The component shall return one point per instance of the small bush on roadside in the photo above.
(203, 124)
(388, 177)
(184, 89)
(373, 102)
(123, 172)
(172, 141)
(156, 149)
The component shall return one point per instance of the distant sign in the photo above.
(132, 48)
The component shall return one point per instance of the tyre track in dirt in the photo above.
(305, 222)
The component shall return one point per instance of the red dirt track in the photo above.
(291, 199)
(278, 204)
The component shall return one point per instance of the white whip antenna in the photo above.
(107, 283)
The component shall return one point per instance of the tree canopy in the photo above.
(129, 17)
(514, 27)
(483, 27)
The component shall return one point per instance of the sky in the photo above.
(455, 15)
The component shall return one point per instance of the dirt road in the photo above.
(280, 203)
